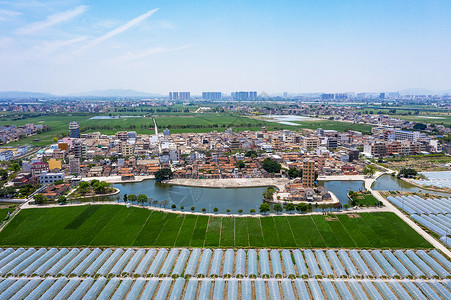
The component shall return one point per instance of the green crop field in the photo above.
(177, 123)
(114, 225)
(4, 212)
(333, 125)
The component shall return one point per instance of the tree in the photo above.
(132, 198)
(125, 198)
(419, 126)
(289, 207)
(369, 170)
(100, 187)
(173, 206)
(15, 167)
(301, 207)
(240, 211)
(294, 173)
(228, 210)
(240, 164)
(142, 198)
(407, 172)
(346, 206)
(204, 209)
(251, 153)
(55, 139)
(155, 202)
(269, 193)
(278, 207)
(83, 187)
(271, 166)
(192, 208)
(94, 181)
(215, 209)
(163, 174)
(264, 207)
(39, 199)
(165, 203)
(182, 207)
(3, 174)
(252, 211)
(62, 199)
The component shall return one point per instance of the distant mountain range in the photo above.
(423, 92)
(115, 93)
(24, 95)
(96, 93)
(132, 93)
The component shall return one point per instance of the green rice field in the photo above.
(117, 225)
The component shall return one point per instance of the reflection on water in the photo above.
(391, 183)
(209, 198)
(240, 198)
(341, 188)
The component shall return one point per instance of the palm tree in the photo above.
(155, 202)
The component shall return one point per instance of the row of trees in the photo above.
(230, 125)
(289, 207)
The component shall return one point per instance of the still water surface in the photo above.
(244, 198)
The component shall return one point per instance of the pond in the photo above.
(112, 117)
(208, 198)
(341, 188)
(242, 198)
(287, 119)
(391, 183)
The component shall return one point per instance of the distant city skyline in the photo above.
(64, 47)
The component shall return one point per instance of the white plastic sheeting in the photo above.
(246, 289)
(204, 263)
(216, 263)
(232, 289)
(191, 289)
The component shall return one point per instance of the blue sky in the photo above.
(273, 46)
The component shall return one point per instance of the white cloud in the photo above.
(130, 56)
(52, 20)
(166, 25)
(8, 14)
(6, 42)
(49, 47)
(120, 29)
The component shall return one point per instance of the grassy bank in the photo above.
(111, 225)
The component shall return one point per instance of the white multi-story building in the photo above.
(46, 177)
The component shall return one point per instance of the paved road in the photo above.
(411, 223)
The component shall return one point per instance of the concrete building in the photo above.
(310, 142)
(211, 95)
(79, 149)
(46, 178)
(74, 165)
(6, 155)
(54, 164)
(74, 130)
(308, 174)
(244, 95)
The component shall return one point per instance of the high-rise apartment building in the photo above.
(74, 165)
(308, 174)
(74, 130)
(179, 95)
(79, 149)
(244, 95)
(211, 95)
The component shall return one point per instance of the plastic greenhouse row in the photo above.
(233, 288)
(415, 204)
(219, 263)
